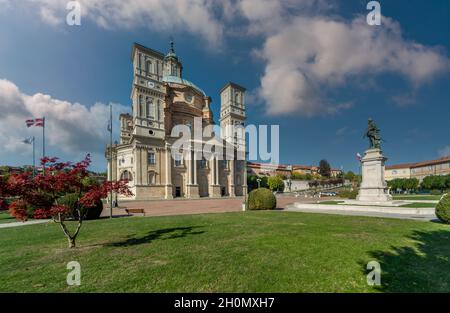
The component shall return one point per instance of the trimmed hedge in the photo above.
(261, 199)
(443, 209)
(91, 213)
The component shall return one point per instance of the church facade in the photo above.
(162, 98)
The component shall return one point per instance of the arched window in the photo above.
(236, 97)
(126, 175)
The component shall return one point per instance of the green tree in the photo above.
(325, 169)
(350, 176)
(434, 182)
(251, 182)
(275, 183)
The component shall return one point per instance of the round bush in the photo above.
(261, 199)
(91, 213)
(443, 209)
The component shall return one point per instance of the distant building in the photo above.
(313, 170)
(305, 169)
(267, 169)
(419, 170)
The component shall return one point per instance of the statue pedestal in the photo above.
(373, 187)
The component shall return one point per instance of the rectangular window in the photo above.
(151, 158)
(178, 160)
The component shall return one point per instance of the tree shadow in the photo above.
(160, 234)
(424, 267)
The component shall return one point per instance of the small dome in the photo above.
(181, 81)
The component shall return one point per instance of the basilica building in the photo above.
(161, 98)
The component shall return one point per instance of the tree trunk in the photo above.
(71, 242)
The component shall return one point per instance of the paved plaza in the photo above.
(190, 206)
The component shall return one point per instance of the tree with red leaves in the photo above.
(44, 191)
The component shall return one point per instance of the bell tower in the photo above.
(232, 111)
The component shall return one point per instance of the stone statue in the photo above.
(373, 133)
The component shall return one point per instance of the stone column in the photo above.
(168, 187)
(144, 167)
(189, 169)
(232, 176)
(212, 164)
(244, 183)
(194, 161)
(138, 167)
(217, 171)
(192, 188)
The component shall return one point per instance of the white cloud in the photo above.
(269, 15)
(194, 16)
(444, 151)
(311, 54)
(308, 51)
(70, 127)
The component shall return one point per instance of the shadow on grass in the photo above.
(421, 268)
(160, 234)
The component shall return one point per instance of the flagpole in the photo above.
(34, 159)
(110, 161)
(43, 142)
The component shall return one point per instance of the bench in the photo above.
(135, 211)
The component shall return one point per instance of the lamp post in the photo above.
(259, 182)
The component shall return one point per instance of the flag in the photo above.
(28, 141)
(29, 123)
(40, 122)
(358, 156)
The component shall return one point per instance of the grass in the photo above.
(415, 205)
(331, 202)
(417, 197)
(6, 218)
(419, 205)
(229, 252)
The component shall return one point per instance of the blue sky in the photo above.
(312, 66)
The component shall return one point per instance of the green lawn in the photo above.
(416, 197)
(415, 205)
(419, 205)
(6, 218)
(230, 252)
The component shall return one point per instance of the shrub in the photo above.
(348, 194)
(90, 213)
(443, 209)
(4, 204)
(435, 192)
(275, 183)
(261, 199)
